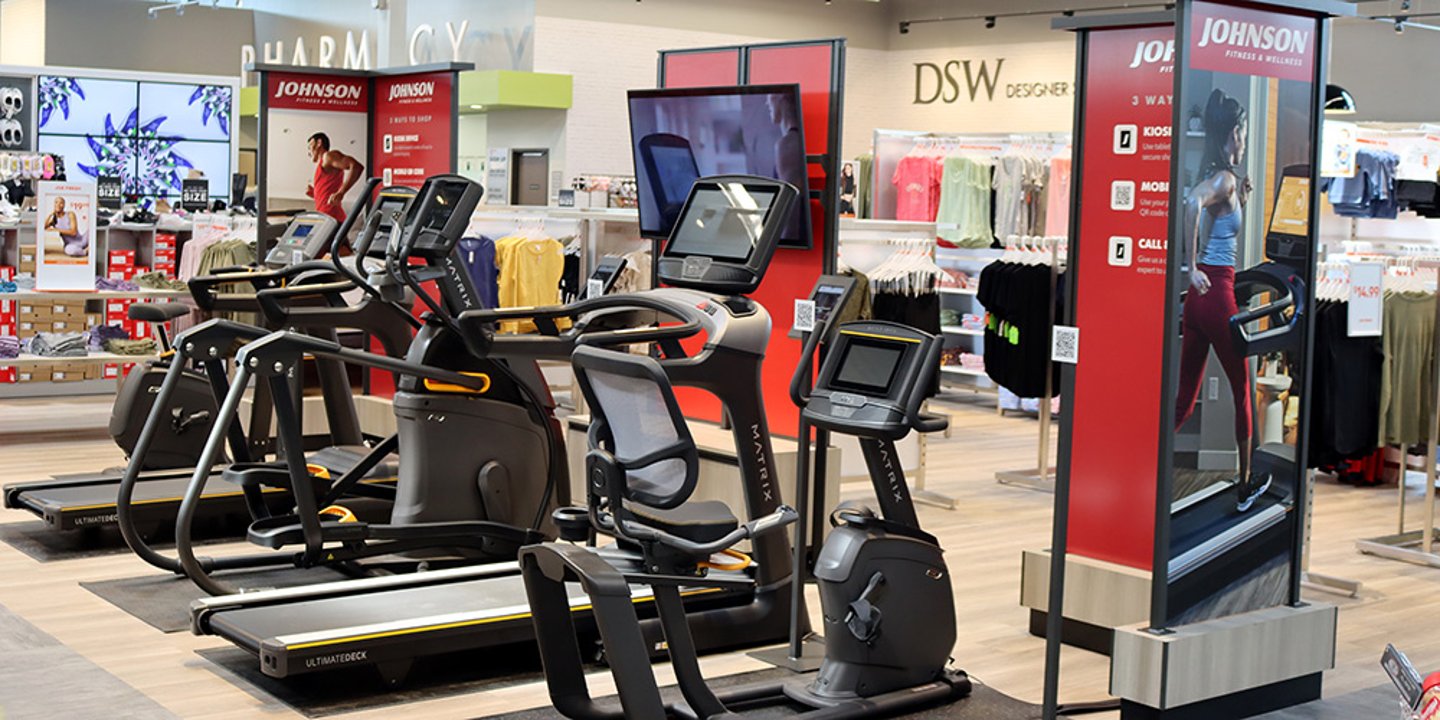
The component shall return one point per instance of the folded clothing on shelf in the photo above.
(949, 317)
(156, 280)
(144, 346)
(105, 283)
(9, 346)
(102, 334)
(48, 344)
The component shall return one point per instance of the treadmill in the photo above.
(89, 500)
(716, 254)
(1207, 532)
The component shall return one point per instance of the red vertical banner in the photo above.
(413, 127)
(1121, 252)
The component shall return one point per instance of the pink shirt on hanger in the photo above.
(916, 188)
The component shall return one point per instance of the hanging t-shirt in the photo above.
(1057, 198)
(530, 271)
(1406, 387)
(963, 217)
(1010, 212)
(916, 188)
(478, 256)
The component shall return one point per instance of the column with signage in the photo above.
(1179, 507)
(413, 127)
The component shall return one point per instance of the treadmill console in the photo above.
(441, 213)
(875, 371)
(727, 233)
(307, 237)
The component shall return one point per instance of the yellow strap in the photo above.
(742, 561)
(439, 386)
(343, 513)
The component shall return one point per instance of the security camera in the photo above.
(1399, 27)
(990, 23)
(904, 27)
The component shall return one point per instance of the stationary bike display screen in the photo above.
(302, 231)
(724, 221)
(446, 198)
(869, 366)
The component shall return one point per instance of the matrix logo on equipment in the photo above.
(1121, 251)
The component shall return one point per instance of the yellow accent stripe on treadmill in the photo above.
(879, 336)
(465, 623)
(206, 496)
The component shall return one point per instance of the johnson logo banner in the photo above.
(1249, 41)
(412, 90)
(308, 92)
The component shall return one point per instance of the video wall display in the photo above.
(152, 135)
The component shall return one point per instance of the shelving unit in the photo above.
(964, 300)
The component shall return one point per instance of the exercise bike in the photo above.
(884, 586)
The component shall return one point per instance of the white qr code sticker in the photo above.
(805, 315)
(1065, 344)
(594, 288)
(1122, 195)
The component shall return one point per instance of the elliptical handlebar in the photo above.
(802, 382)
(922, 421)
(367, 238)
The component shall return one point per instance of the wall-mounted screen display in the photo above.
(152, 135)
(679, 135)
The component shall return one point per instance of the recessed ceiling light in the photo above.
(477, 107)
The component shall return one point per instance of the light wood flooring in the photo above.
(983, 538)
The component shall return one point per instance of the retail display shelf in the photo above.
(93, 357)
(959, 291)
(957, 330)
(967, 372)
(101, 294)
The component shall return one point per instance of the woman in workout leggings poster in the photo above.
(1214, 223)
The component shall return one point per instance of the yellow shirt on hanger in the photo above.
(529, 276)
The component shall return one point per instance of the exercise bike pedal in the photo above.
(284, 530)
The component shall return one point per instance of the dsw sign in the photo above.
(935, 82)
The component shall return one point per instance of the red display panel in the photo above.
(1120, 307)
(411, 133)
(309, 91)
(792, 272)
(702, 69)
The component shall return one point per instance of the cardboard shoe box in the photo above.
(28, 372)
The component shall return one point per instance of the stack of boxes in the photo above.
(27, 260)
(121, 265)
(165, 249)
(8, 310)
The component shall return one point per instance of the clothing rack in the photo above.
(1042, 476)
(923, 242)
(1417, 546)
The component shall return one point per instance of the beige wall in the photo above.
(22, 32)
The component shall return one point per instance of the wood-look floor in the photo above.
(983, 539)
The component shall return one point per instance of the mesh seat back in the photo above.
(631, 397)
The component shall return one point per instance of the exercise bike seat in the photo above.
(699, 521)
(157, 312)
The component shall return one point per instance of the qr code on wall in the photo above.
(1065, 344)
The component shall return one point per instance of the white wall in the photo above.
(606, 59)
(530, 130)
(472, 145)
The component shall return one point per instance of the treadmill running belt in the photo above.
(337, 618)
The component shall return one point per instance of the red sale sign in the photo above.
(1120, 307)
(333, 93)
(412, 129)
(1247, 41)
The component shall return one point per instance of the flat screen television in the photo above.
(682, 134)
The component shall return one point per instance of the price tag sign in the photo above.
(1366, 308)
(194, 194)
(594, 288)
(109, 192)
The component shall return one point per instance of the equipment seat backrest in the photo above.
(637, 419)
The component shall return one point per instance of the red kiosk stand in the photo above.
(1179, 521)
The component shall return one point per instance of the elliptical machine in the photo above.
(888, 606)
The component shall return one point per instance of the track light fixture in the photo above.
(1399, 27)
(990, 22)
(904, 27)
